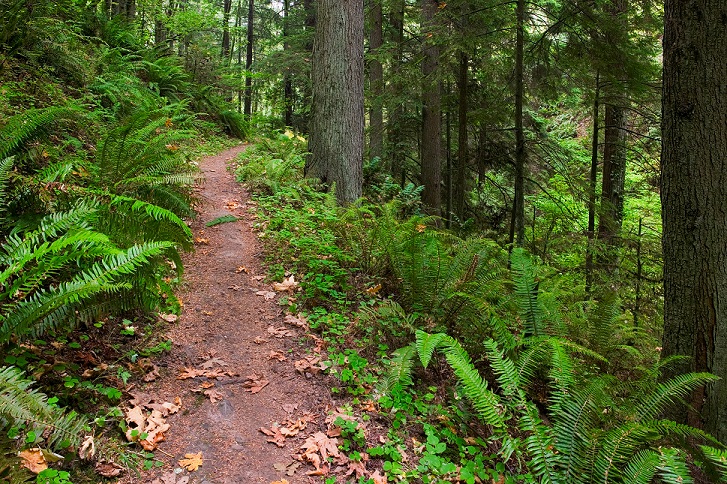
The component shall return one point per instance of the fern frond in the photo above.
(486, 403)
(505, 370)
(718, 457)
(673, 468)
(426, 344)
(526, 293)
(400, 370)
(24, 127)
(540, 444)
(21, 403)
(641, 468)
(653, 403)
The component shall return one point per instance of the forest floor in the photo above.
(231, 339)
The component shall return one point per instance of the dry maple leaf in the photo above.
(242, 269)
(276, 355)
(289, 284)
(298, 321)
(201, 240)
(358, 467)
(33, 460)
(378, 478)
(214, 395)
(191, 462)
(108, 469)
(255, 383)
(152, 375)
(372, 291)
(190, 373)
(281, 332)
(169, 318)
(276, 437)
(87, 449)
(212, 362)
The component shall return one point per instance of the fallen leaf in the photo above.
(357, 467)
(234, 287)
(276, 437)
(190, 373)
(152, 375)
(214, 395)
(255, 383)
(378, 478)
(290, 407)
(289, 284)
(201, 240)
(258, 340)
(319, 443)
(371, 291)
(298, 321)
(33, 460)
(276, 355)
(191, 462)
(242, 269)
(108, 469)
(87, 449)
(169, 318)
(281, 332)
(212, 362)
(311, 365)
(266, 294)
(284, 481)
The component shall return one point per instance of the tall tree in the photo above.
(694, 200)
(517, 223)
(226, 9)
(248, 58)
(337, 130)
(376, 79)
(395, 131)
(287, 81)
(431, 155)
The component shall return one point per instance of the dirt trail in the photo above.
(224, 318)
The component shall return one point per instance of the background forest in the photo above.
(507, 234)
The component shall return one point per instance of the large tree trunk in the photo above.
(226, 9)
(694, 200)
(462, 149)
(592, 182)
(337, 131)
(287, 82)
(517, 223)
(431, 114)
(248, 59)
(395, 129)
(376, 77)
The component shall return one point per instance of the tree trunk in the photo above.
(694, 200)
(517, 223)
(287, 82)
(462, 149)
(593, 179)
(376, 77)
(431, 151)
(248, 59)
(226, 9)
(395, 131)
(337, 131)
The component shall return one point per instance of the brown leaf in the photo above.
(242, 269)
(276, 437)
(152, 375)
(289, 284)
(371, 291)
(212, 362)
(214, 395)
(169, 318)
(191, 462)
(276, 355)
(201, 240)
(378, 478)
(266, 294)
(190, 373)
(298, 321)
(358, 467)
(33, 460)
(281, 332)
(108, 469)
(87, 449)
(258, 340)
(255, 383)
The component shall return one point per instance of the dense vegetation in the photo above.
(508, 238)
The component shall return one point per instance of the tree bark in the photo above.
(431, 150)
(337, 135)
(376, 77)
(395, 130)
(592, 181)
(462, 142)
(694, 200)
(248, 58)
(287, 82)
(226, 9)
(517, 223)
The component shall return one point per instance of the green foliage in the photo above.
(221, 220)
(19, 403)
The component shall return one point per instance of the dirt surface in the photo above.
(229, 313)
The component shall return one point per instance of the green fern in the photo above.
(400, 370)
(21, 403)
(426, 344)
(22, 128)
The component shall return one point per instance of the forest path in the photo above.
(225, 325)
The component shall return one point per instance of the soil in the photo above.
(224, 317)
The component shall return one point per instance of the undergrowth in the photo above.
(483, 367)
